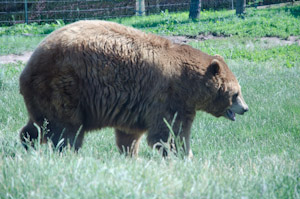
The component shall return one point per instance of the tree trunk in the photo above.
(140, 7)
(195, 8)
(240, 7)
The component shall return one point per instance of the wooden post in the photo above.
(240, 7)
(157, 6)
(26, 11)
(195, 8)
(140, 7)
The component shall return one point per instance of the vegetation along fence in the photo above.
(20, 11)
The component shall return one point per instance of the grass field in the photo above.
(258, 156)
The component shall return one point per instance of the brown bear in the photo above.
(94, 74)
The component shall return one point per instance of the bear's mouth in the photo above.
(230, 114)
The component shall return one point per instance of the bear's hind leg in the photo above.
(159, 136)
(128, 143)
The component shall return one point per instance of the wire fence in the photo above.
(21, 11)
(18, 11)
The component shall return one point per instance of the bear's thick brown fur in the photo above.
(94, 74)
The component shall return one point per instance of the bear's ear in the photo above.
(214, 68)
(219, 56)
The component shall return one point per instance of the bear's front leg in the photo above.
(159, 134)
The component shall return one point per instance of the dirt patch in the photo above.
(12, 58)
(186, 39)
(275, 40)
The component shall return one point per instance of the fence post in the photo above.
(195, 8)
(140, 7)
(240, 7)
(157, 6)
(26, 11)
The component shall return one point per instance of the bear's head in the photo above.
(225, 96)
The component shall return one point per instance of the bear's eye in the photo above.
(234, 97)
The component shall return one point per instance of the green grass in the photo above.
(281, 22)
(18, 44)
(258, 156)
(22, 37)
(32, 28)
(278, 22)
(254, 50)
